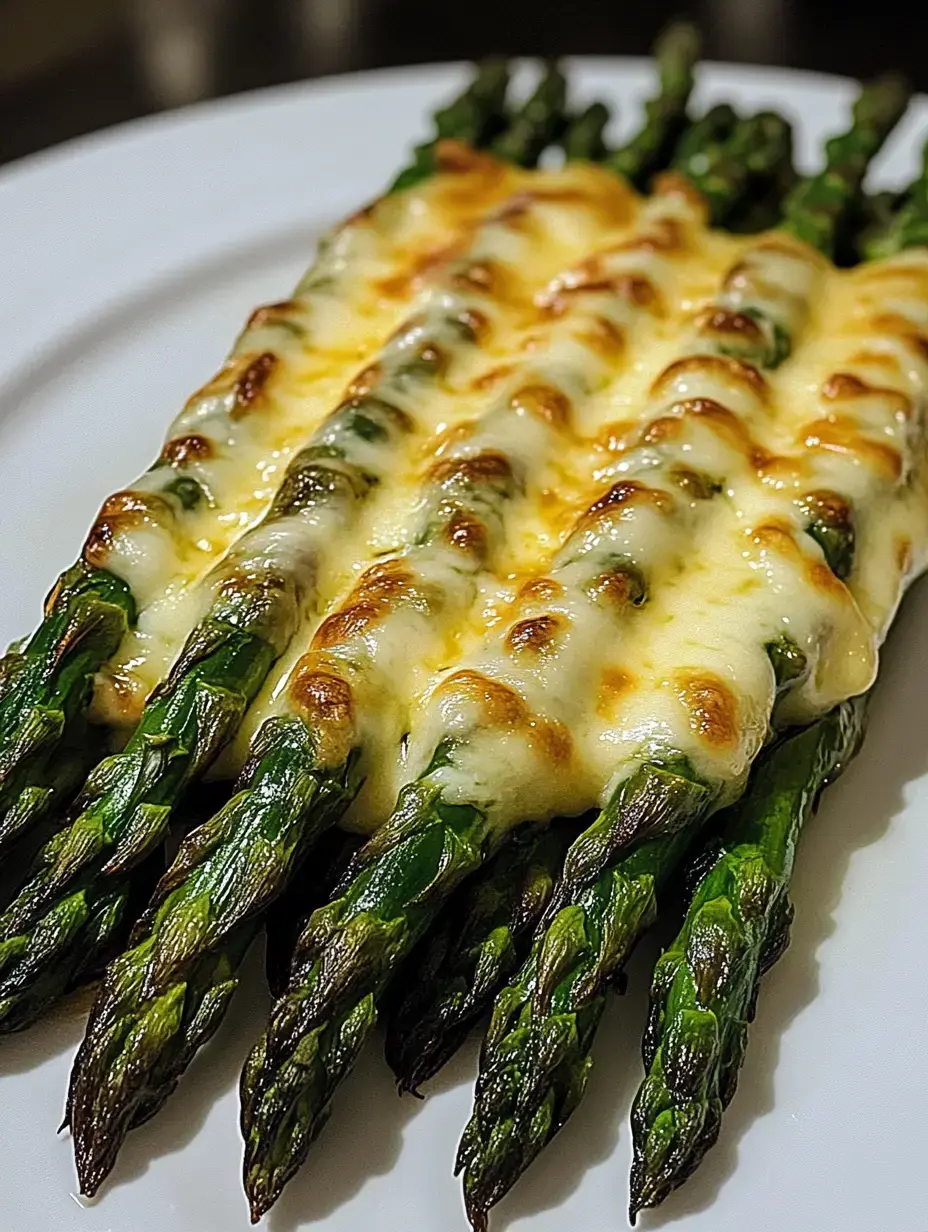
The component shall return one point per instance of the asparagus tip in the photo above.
(91, 1174)
(477, 1217)
(260, 1196)
(407, 1084)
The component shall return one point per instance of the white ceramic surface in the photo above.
(129, 260)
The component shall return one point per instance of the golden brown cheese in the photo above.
(293, 363)
(618, 602)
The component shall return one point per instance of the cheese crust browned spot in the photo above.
(464, 531)
(491, 377)
(603, 337)
(622, 494)
(593, 277)
(323, 697)
(273, 314)
(734, 371)
(832, 505)
(380, 588)
(712, 708)
(724, 423)
(544, 402)
(475, 322)
(619, 588)
(250, 384)
(614, 683)
(663, 428)
(485, 277)
(540, 589)
(461, 158)
(401, 285)
(482, 467)
(822, 578)
(364, 381)
(664, 235)
(901, 328)
(501, 707)
(614, 438)
(780, 537)
(181, 450)
(903, 553)
(777, 536)
(737, 327)
(844, 386)
(601, 193)
(840, 434)
(122, 511)
(884, 361)
(537, 635)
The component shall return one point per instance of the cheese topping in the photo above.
(655, 665)
(639, 457)
(228, 450)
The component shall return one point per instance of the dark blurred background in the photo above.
(70, 66)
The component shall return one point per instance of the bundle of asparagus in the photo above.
(480, 595)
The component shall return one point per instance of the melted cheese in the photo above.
(292, 364)
(688, 671)
(597, 522)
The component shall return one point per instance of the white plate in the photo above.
(129, 262)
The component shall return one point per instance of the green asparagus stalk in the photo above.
(676, 52)
(875, 218)
(754, 154)
(454, 533)
(46, 684)
(343, 962)
(143, 1009)
(908, 224)
(762, 208)
(464, 502)
(537, 123)
(705, 984)
(584, 136)
(536, 1058)
(475, 116)
(709, 132)
(311, 888)
(348, 954)
(818, 208)
(262, 586)
(464, 961)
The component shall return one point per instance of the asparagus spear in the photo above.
(46, 684)
(536, 1057)
(583, 138)
(463, 962)
(539, 121)
(352, 947)
(818, 208)
(706, 982)
(709, 132)
(875, 218)
(457, 530)
(676, 52)
(475, 116)
(908, 225)
(535, 1061)
(262, 587)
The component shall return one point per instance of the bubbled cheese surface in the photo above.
(637, 443)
